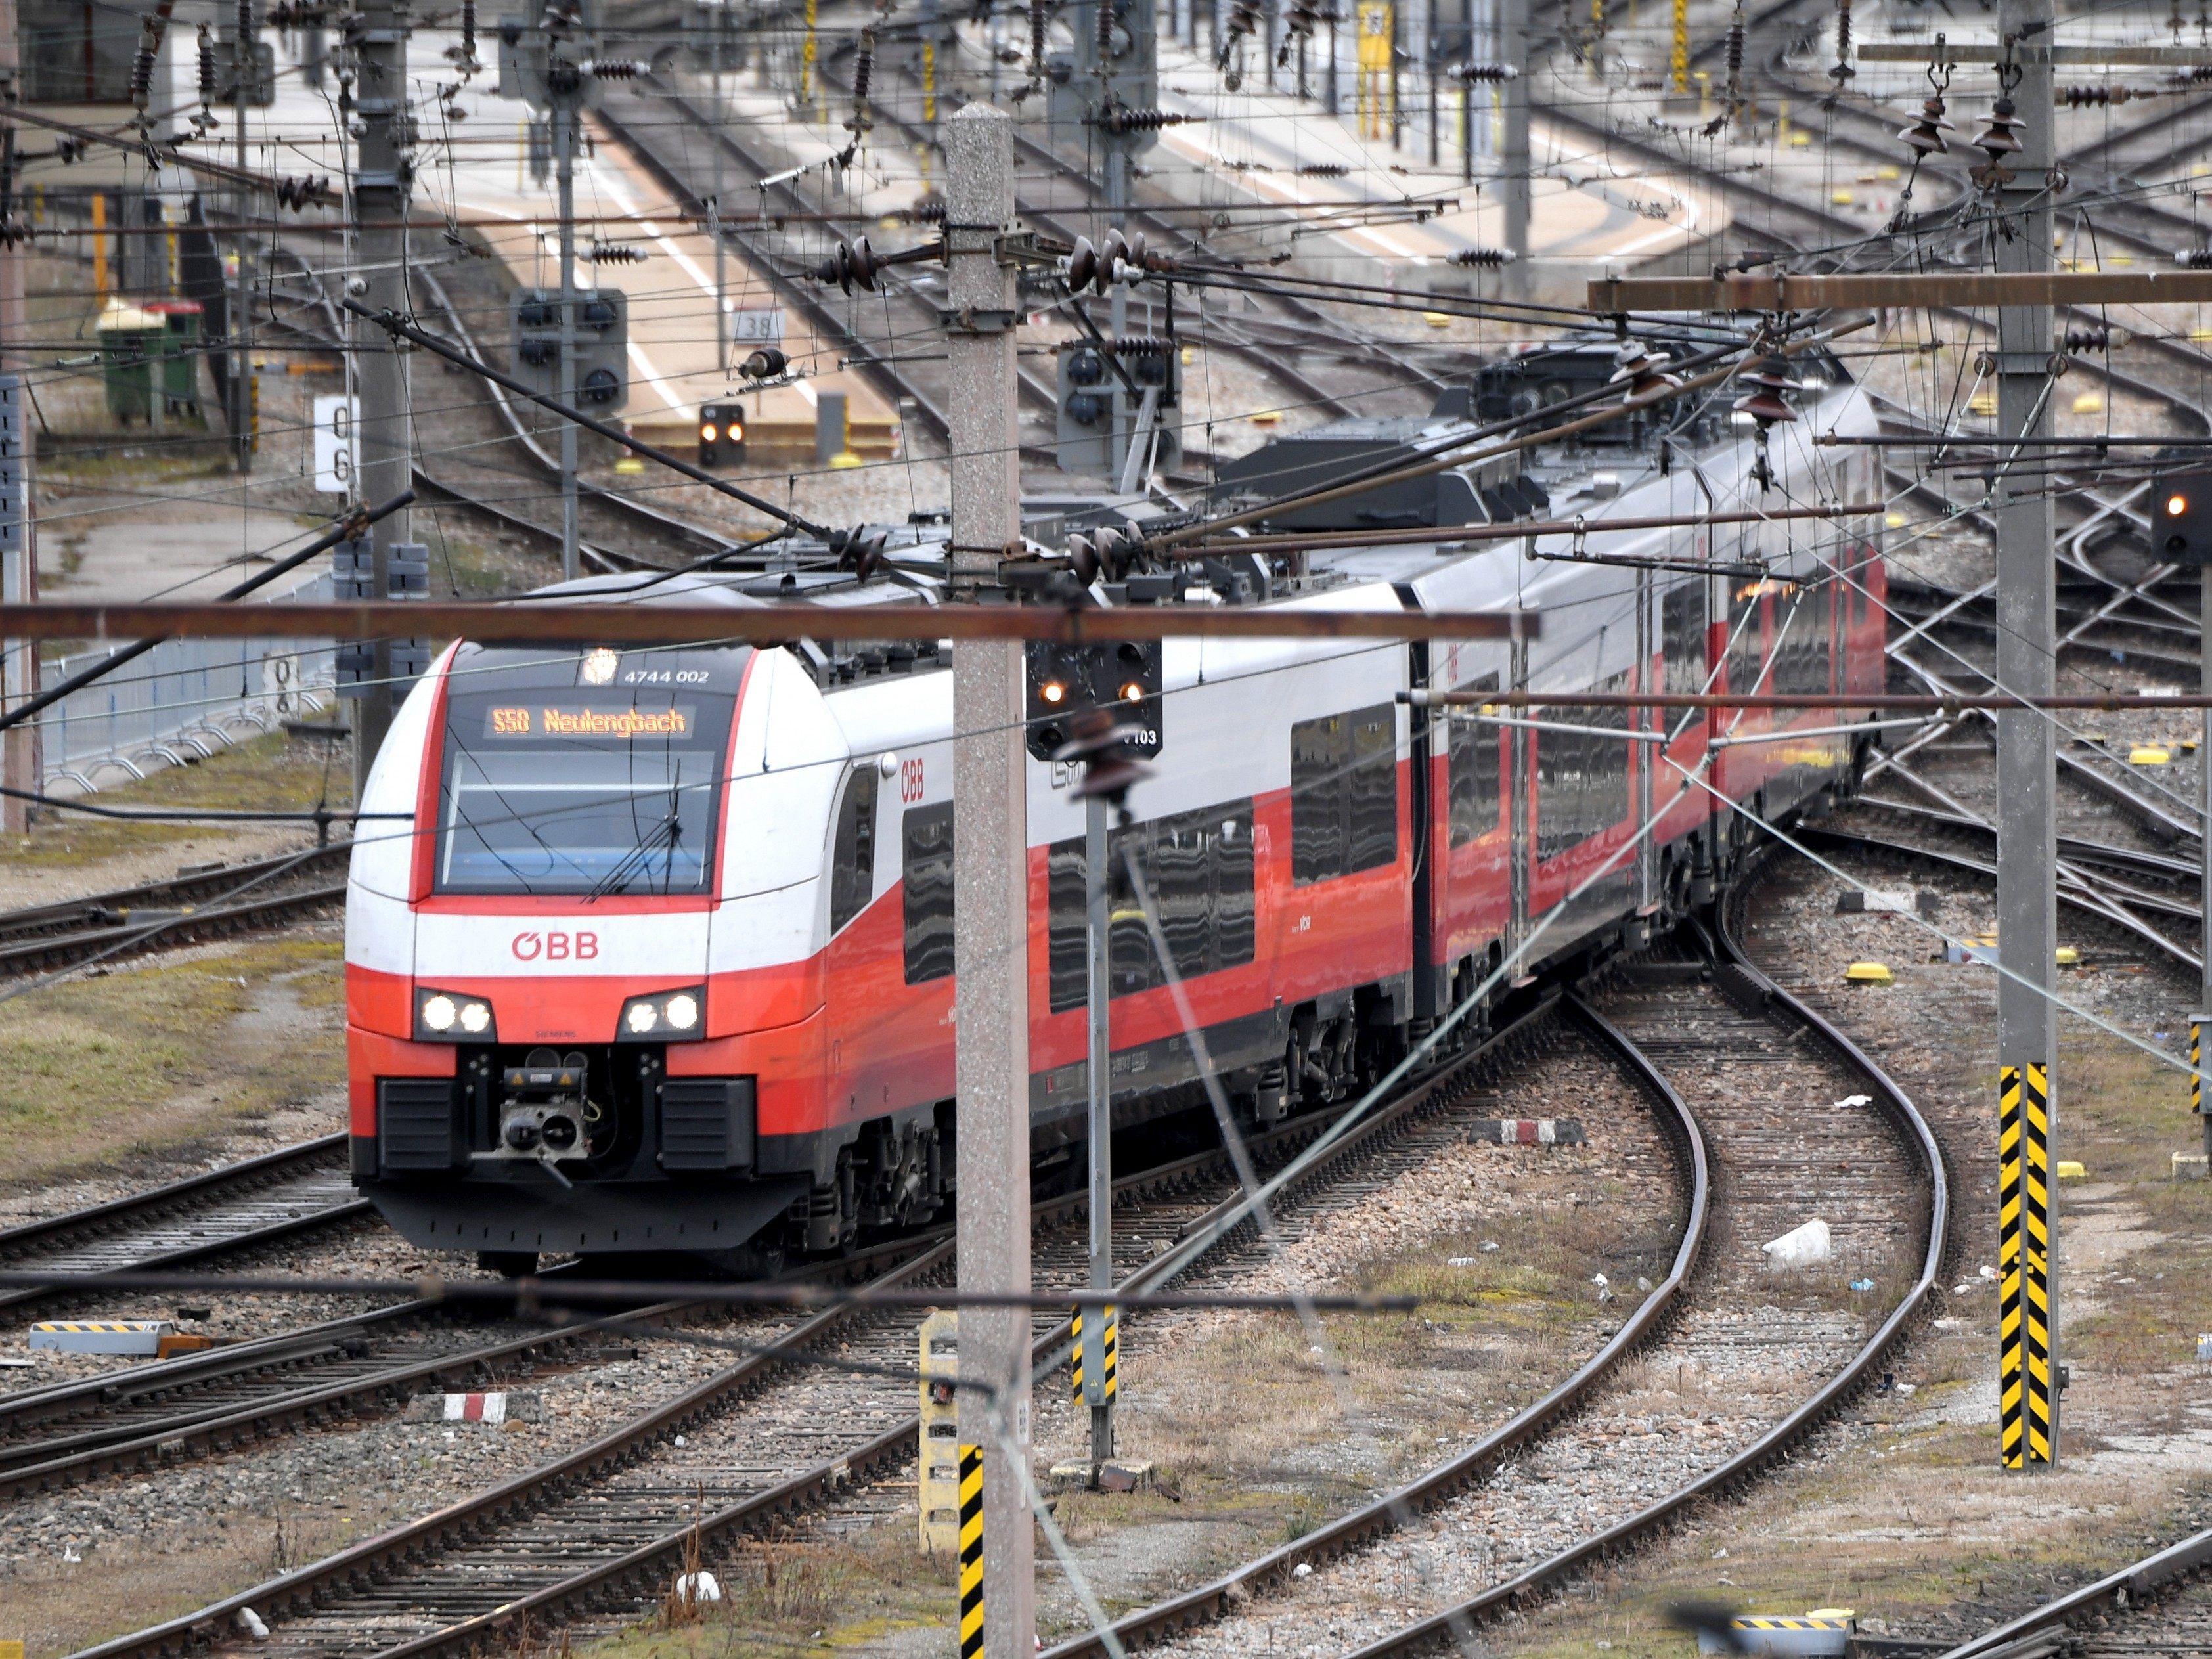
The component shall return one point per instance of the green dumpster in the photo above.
(180, 347)
(129, 346)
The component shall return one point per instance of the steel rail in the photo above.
(1386, 1514)
(2084, 899)
(2123, 1591)
(64, 1459)
(87, 1227)
(889, 377)
(100, 907)
(58, 949)
(646, 1566)
(1744, 984)
(420, 476)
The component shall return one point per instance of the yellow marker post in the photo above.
(938, 1479)
(1679, 55)
(971, 1552)
(1104, 1385)
(2025, 1395)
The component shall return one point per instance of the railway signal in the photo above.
(1068, 681)
(601, 319)
(2181, 519)
(721, 434)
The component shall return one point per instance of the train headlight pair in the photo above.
(664, 1016)
(450, 1017)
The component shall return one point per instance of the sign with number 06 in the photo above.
(336, 421)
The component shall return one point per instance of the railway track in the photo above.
(168, 912)
(1747, 1044)
(604, 1526)
(238, 1206)
(2160, 1604)
(613, 522)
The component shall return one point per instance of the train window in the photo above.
(927, 867)
(1582, 774)
(1344, 793)
(1321, 754)
(555, 779)
(1801, 661)
(1198, 870)
(1682, 638)
(1473, 761)
(1746, 641)
(853, 859)
(1067, 926)
(1371, 788)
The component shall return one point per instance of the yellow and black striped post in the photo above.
(2196, 1063)
(2028, 1439)
(971, 1552)
(1099, 1384)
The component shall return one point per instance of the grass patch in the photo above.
(787, 1598)
(269, 773)
(145, 1057)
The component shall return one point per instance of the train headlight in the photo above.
(664, 1016)
(452, 1017)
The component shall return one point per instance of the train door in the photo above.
(862, 965)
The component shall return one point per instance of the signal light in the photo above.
(2184, 535)
(1054, 692)
(721, 434)
(1132, 692)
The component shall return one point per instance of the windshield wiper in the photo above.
(668, 832)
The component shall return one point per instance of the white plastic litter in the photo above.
(1856, 1100)
(700, 1587)
(1489, 1244)
(1800, 1246)
(1459, 1262)
(1303, 1570)
(251, 1623)
(1988, 1272)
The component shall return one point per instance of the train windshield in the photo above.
(592, 773)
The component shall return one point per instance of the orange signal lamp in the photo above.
(708, 434)
(1132, 692)
(1052, 692)
(736, 434)
(2176, 506)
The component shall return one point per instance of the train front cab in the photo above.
(576, 1022)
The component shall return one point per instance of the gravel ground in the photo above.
(1752, 1344)
(1236, 1411)
(218, 1524)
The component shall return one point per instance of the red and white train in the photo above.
(663, 962)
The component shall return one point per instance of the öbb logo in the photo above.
(556, 947)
